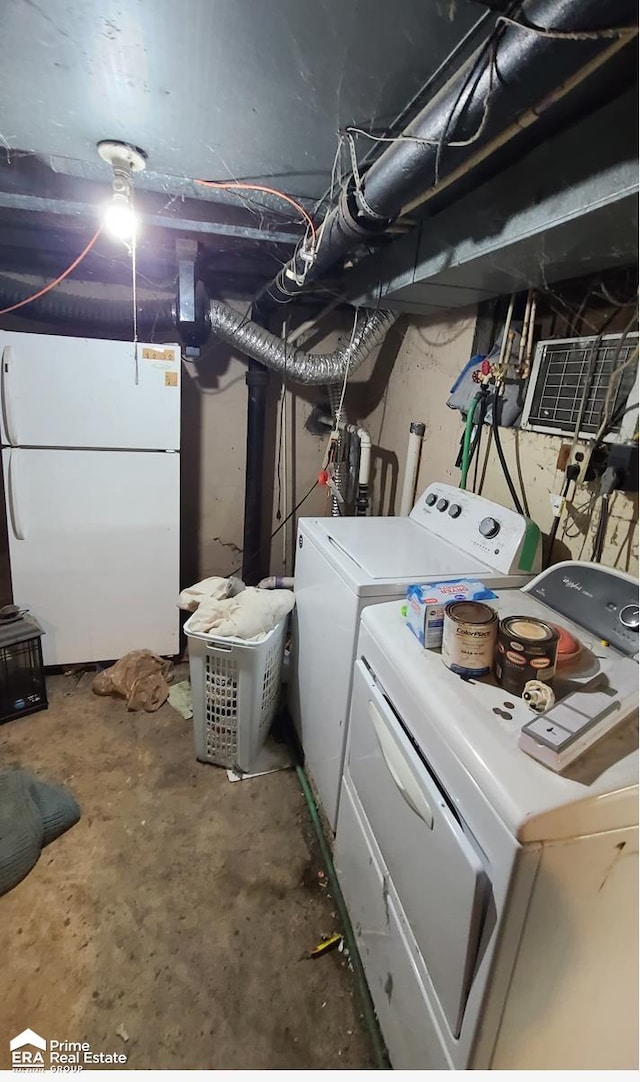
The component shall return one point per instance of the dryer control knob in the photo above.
(442, 504)
(455, 510)
(431, 499)
(630, 617)
(489, 527)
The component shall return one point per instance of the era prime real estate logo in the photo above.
(28, 1050)
(31, 1052)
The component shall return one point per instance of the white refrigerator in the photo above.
(91, 464)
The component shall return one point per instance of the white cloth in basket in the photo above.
(214, 587)
(249, 615)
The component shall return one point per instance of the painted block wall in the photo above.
(431, 355)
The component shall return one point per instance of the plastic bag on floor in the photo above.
(140, 677)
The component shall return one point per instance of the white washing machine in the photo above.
(495, 902)
(344, 564)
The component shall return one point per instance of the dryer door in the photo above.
(434, 864)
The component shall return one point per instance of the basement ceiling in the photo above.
(253, 90)
(215, 88)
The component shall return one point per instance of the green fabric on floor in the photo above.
(181, 699)
(33, 813)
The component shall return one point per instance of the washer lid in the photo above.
(396, 548)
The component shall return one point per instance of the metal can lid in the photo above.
(529, 629)
(470, 612)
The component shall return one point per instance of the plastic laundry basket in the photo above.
(235, 686)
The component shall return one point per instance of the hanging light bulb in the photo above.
(119, 216)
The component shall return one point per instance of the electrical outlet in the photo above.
(580, 457)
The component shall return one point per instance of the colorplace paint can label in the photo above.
(469, 637)
(527, 650)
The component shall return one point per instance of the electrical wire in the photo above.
(56, 281)
(420, 95)
(556, 521)
(606, 294)
(570, 35)
(236, 185)
(601, 529)
(476, 71)
(134, 294)
(352, 130)
(501, 455)
(283, 523)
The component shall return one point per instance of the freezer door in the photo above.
(87, 392)
(94, 548)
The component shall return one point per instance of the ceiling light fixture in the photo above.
(125, 160)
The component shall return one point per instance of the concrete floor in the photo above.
(179, 907)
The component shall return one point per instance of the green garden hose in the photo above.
(466, 446)
(368, 1011)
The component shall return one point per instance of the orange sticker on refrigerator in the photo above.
(149, 354)
(171, 379)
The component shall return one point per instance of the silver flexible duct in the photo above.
(301, 367)
(334, 391)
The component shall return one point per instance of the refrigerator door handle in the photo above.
(16, 525)
(7, 361)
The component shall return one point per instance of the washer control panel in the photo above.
(498, 536)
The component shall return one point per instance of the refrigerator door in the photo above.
(94, 546)
(87, 392)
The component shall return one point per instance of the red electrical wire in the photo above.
(233, 185)
(56, 281)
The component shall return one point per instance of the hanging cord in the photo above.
(601, 531)
(497, 403)
(236, 185)
(134, 292)
(56, 281)
(570, 475)
(283, 523)
(610, 481)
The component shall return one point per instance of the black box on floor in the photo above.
(22, 684)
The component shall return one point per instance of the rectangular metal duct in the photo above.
(567, 209)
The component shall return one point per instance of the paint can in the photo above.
(527, 650)
(469, 637)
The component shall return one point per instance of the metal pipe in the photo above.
(416, 436)
(100, 312)
(525, 120)
(301, 367)
(253, 558)
(485, 104)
